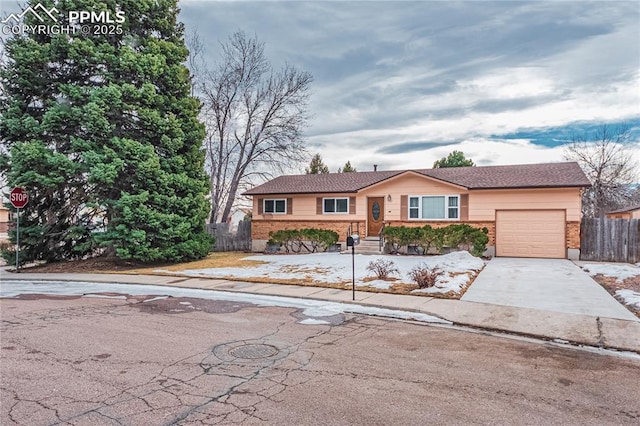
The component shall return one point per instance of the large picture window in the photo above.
(275, 206)
(434, 207)
(335, 205)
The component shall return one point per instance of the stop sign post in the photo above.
(18, 198)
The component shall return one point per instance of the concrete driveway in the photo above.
(547, 284)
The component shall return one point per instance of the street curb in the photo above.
(104, 279)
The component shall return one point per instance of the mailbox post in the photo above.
(353, 241)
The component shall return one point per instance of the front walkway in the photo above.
(556, 285)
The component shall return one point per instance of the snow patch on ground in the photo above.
(104, 296)
(380, 284)
(311, 308)
(155, 298)
(311, 321)
(336, 268)
(629, 297)
(619, 272)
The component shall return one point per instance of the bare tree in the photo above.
(254, 118)
(605, 157)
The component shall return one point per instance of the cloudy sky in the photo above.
(401, 84)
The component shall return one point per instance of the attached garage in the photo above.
(530, 233)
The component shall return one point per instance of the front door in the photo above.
(375, 215)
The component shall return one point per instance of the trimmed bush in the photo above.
(466, 237)
(311, 239)
(461, 236)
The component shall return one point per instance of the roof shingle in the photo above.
(547, 175)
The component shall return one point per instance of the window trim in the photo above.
(446, 207)
(335, 205)
(264, 205)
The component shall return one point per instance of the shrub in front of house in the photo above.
(312, 240)
(383, 268)
(430, 238)
(394, 237)
(425, 276)
(426, 238)
(466, 237)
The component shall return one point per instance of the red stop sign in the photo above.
(18, 198)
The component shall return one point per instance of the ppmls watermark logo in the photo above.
(78, 22)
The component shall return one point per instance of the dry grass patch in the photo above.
(403, 288)
(612, 285)
(105, 265)
(231, 259)
(388, 279)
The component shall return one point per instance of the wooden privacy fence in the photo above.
(227, 240)
(610, 240)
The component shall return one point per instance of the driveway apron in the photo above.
(556, 285)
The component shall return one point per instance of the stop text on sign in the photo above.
(18, 197)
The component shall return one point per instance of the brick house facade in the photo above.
(530, 210)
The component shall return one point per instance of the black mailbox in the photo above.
(353, 240)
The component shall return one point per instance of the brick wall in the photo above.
(491, 226)
(573, 235)
(260, 228)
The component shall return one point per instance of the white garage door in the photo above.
(530, 233)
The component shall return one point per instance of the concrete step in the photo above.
(367, 246)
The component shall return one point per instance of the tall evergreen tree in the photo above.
(316, 166)
(102, 128)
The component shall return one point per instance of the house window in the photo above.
(436, 207)
(335, 205)
(275, 206)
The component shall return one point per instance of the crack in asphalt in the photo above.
(210, 385)
(280, 380)
(248, 382)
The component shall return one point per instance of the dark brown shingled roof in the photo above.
(324, 182)
(548, 175)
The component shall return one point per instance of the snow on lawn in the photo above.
(619, 272)
(629, 297)
(335, 268)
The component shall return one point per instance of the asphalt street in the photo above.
(140, 360)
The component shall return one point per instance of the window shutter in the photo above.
(260, 205)
(289, 205)
(404, 207)
(352, 205)
(319, 205)
(464, 207)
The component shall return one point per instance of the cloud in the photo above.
(405, 147)
(396, 82)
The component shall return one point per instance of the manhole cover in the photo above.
(253, 351)
(250, 352)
